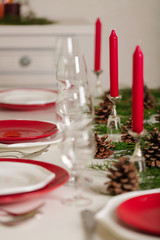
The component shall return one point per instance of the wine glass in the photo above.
(73, 93)
(67, 107)
(65, 45)
(71, 70)
(77, 149)
(73, 106)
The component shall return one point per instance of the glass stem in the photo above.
(78, 186)
(138, 156)
(137, 151)
(114, 110)
(98, 90)
(98, 83)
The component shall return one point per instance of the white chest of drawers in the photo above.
(27, 53)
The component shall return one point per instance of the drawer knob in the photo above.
(25, 61)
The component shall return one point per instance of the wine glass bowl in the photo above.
(68, 105)
(72, 104)
(71, 70)
(65, 45)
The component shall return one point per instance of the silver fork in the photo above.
(24, 154)
(89, 223)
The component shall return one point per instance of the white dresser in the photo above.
(27, 53)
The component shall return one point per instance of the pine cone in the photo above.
(149, 100)
(157, 117)
(151, 149)
(123, 177)
(103, 147)
(126, 137)
(105, 95)
(104, 110)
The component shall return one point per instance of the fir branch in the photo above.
(123, 146)
(122, 153)
(107, 164)
(25, 21)
(100, 128)
(156, 94)
(150, 179)
(122, 149)
(149, 126)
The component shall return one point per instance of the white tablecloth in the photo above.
(57, 220)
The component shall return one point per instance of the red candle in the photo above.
(137, 91)
(113, 47)
(1, 11)
(97, 63)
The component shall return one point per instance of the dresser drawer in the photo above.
(28, 53)
(27, 60)
(30, 41)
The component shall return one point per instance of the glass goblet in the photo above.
(71, 105)
(71, 70)
(66, 45)
(77, 150)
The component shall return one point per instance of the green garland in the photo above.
(127, 102)
(148, 180)
(25, 21)
(151, 178)
(124, 110)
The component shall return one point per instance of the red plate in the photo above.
(12, 131)
(9, 103)
(142, 212)
(62, 176)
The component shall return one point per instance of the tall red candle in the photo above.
(113, 48)
(1, 11)
(137, 91)
(97, 63)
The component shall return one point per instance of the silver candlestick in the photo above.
(114, 123)
(98, 86)
(137, 156)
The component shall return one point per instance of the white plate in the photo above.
(27, 96)
(108, 220)
(55, 138)
(16, 177)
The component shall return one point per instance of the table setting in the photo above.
(27, 99)
(78, 165)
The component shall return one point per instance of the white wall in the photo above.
(135, 22)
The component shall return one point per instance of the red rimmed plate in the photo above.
(142, 213)
(27, 99)
(12, 131)
(61, 177)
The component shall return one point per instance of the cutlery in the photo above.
(15, 220)
(88, 223)
(6, 212)
(24, 154)
(36, 153)
(12, 218)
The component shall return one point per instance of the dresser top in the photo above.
(46, 29)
